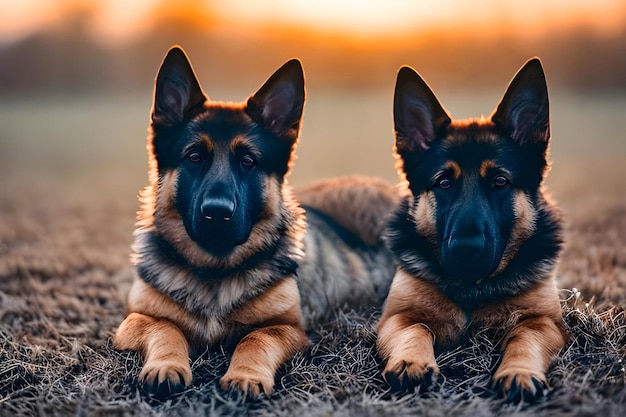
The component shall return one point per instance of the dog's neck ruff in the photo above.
(205, 290)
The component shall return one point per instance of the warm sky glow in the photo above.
(396, 16)
(118, 19)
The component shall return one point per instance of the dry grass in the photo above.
(61, 264)
(64, 242)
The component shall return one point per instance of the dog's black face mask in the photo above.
(475, 213)
(219, 195)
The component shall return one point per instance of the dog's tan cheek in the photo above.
(165, 210)
(525, 217)
(268, 218)
(425, 215)
(271, 196)
(524, 226)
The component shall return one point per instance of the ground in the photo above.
(65, 231)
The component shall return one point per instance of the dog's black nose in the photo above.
(218, 209)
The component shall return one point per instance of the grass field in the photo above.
(70, 170)
(95, 134)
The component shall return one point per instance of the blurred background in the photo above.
(76, 79)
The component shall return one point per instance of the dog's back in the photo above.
(346, 263)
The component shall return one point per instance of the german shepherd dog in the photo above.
(477, 243)
(220, 240)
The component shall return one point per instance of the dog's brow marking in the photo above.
(208, 142)
(485, 166)
(455, 168)
(241, 142)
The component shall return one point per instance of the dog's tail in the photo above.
(359, 204)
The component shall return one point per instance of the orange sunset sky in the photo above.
(117, 20)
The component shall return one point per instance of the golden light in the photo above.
(120, 19)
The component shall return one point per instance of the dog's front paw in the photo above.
(248, 381)
(517, 385)
(163, 378)
(404, 375)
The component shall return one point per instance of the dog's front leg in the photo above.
(165, 352)
(415, 318)
(279, 333)
(258, 356)
(529, 348)
(407, 348)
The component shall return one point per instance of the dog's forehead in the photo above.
(471, 131)
(221, 123)
(472, 146)
(226, 116)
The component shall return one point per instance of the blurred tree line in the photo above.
(68, 58)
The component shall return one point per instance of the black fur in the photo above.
(471, 207)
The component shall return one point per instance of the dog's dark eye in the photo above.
(444, 183)
(247, 161)
(500, 181)
(194, 157)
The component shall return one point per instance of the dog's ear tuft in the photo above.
(523, 112)
(177, 93)
(279, 103)
(419, 118)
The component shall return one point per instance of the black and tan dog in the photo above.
(478, 241)
(220, 240)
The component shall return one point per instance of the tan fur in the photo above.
(373, 200)
(280, 335)
(159, 333)
(207, 141)
(485, 166)
(408, 348)
(424, 215)
(242, 142)
(455, 168)
(163, 347)
(533, 334)
(418, 315)
(525, 217)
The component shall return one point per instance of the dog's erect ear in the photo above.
(523, 112)
(279, 103)
(419, 118)
(177, 93)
